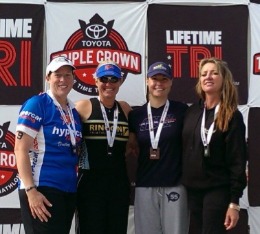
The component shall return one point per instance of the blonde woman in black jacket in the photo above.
(214, 151)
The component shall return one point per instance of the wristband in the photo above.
(234, 206)
(30, 188)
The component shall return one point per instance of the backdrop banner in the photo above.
(254, 160)
(187, 34)
(255, 1)
(254, 94)
(95, 1)
(93, 33)
(10, 215)
(134, 34)
(202, 2)
(21, 48)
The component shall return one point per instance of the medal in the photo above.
(206, 151)
(154, 138)
(74, 149)
(109, 150)
(154, 153)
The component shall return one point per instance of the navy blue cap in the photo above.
(160, 68)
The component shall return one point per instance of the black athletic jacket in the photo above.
(227, 161)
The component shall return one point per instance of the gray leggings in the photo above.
(161, 210)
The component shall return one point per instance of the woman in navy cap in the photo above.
(155, 138)
(103, 188)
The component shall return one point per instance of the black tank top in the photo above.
(94, 133)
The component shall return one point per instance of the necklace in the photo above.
(110, 109)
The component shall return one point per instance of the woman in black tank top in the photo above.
(103, 187)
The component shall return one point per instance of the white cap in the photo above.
(58, 62)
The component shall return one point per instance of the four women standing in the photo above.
(212, 143)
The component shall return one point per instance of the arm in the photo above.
(236, 155)
(132, 148)
(37, 201)
(126, 107)
(23, 143)
(236, 160)
(84, 109)
(232, 216)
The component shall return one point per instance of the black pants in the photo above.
(62, 211)
(208, 210)
(102, 204)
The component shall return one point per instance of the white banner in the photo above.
(90, 33)
(254, 80)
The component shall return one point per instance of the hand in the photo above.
(132, 152)
(132, 147)
(38, 203)
(231, 219)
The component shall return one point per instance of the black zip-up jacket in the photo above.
(227, 161)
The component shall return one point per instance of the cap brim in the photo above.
(109, 73)
(153, 73)
(54, 68)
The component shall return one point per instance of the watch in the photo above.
(234, 206)
(30, 188)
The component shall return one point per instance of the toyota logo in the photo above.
(96, 31)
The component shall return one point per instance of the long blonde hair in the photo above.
(228, 96)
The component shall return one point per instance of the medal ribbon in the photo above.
(155, 140)
(110, 135)
(72, 131)
(206, 139)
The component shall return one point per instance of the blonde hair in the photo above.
(228, 96)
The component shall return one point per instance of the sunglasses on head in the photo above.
(110, 79)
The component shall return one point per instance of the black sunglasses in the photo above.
(110, 79)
